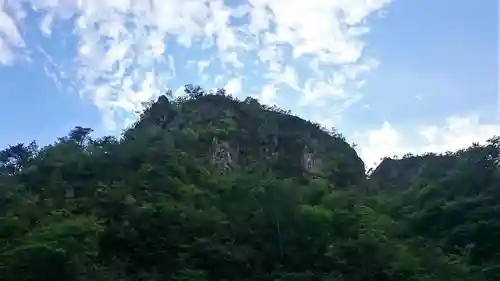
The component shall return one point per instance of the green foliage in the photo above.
(452, 200)
(150, 206)
(65, 249)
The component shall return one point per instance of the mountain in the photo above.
(207, 187)
(453, 199)
(232, 134)
(398, 174)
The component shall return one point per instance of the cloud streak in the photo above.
(126, 50)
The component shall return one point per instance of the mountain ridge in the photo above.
(209, 188)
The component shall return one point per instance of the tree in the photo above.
(151, 206)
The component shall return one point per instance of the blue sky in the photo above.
(394, 76)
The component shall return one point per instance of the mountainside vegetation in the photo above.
(208, 187)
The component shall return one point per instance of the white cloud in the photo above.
(457, 132)
(268, 94)
(122, 45)
(202, 65)
(10, 37)
(233, 86)
(286, 77)
(125, 56)
(5, 53)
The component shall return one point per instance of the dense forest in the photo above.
(208, 187)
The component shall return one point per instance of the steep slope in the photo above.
(232, 134)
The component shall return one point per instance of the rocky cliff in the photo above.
(233, 134)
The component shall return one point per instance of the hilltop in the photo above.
(231, 134)
(208, 187)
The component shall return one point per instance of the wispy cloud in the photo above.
(10, 38)
(122, 55)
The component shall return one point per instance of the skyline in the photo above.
(393, 76)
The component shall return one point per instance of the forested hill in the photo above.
(451, 199)
(207, 187)
(232, 134)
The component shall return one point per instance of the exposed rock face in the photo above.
(70, 192)
(236, 134)
(223, 156)
(311, 163)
